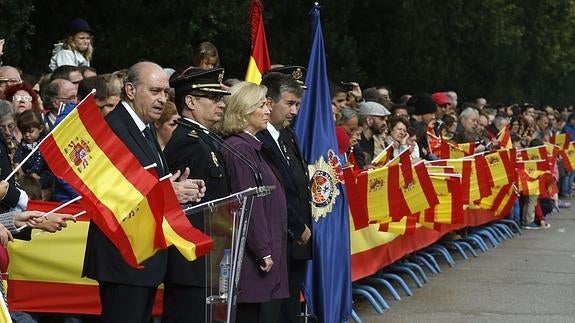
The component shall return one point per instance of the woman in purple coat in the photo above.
(263, 279)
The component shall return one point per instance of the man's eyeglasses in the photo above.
(21, 98)
(212, 97)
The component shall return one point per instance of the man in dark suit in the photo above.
(199, 100)
(127, 294)
(284, 97)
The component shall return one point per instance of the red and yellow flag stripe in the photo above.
(260, 59)
(85, 152)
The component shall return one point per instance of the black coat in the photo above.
(102, 261)
(196, 150)
(293, 170)
(13, 193)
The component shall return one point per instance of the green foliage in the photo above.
(15, 28)
(505, 50)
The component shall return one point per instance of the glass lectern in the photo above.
(226, 222)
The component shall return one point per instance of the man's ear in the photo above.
(190, 102)
(130, 90)
(269, 103)
(369, 120)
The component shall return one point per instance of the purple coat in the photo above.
(267, 233)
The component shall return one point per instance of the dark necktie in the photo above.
(151, 141)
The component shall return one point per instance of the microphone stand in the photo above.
(261, 188)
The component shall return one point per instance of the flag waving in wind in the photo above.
(86, 153)
(260, 58)
(327, 287)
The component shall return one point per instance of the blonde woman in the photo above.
(76, 49)
(263, 279)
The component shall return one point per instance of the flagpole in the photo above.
(42, 141)
(456, 175)
(533, 148)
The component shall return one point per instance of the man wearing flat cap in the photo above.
(199, 100)
(76, 49)
(372, 119)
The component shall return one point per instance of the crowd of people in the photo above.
(178, 120)
(192, 122)
(369, 122)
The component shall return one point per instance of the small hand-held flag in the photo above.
(85, 152)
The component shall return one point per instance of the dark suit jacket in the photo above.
(295, 224)
(13, 194)
(102, 261)
(300, 176)
(196, 150)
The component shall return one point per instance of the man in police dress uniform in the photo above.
(199, 100)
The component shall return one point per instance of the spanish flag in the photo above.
(417, 191)
(434, 142)
(406, 225)
(177, 229)
(502, 167)
(504, 138)
(260, 58)
(454, 151)
(561, 140)
(533, 153)
(383, 157)
(380, 186)
(535, 178)
(568, 156)
(450, 207)
(86, 153)
(501, 201)
(476, 180)
(58, 286)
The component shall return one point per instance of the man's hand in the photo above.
(187, 190)
(356, 90)
(5, 236)
(306, 234)
(3, 189)
(29, 218)
(35, 219)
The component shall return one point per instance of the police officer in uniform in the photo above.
(199, 100)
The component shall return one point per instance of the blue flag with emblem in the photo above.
(327, 287)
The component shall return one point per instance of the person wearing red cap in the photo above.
(76, 49)
(443, 104)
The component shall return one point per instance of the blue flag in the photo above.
(327, 287)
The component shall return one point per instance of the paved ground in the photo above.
(530, 278)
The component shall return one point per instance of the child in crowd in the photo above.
(30, 124)
(207, 56)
